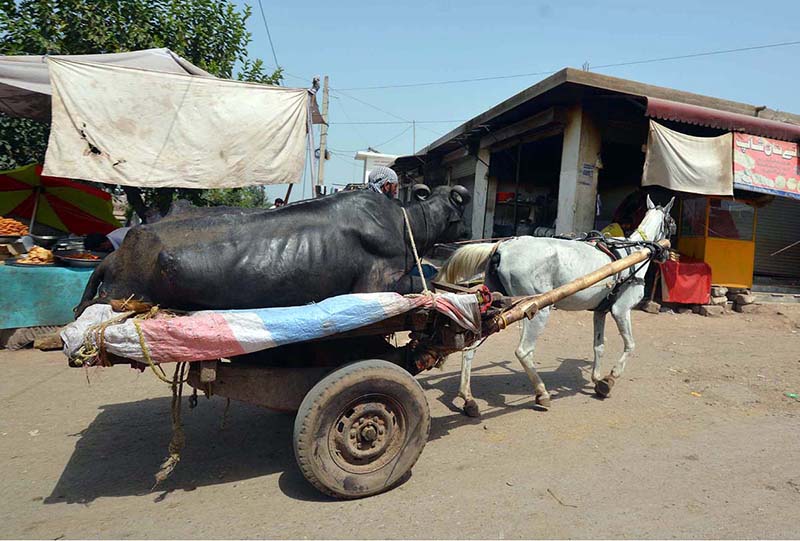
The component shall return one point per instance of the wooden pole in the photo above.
(323, 135)
(526, 307)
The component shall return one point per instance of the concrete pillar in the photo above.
(491, 199)
(480, 192)
(577, 186)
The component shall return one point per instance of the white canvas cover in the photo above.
(685, 163)
(135, 127)
(25, 82)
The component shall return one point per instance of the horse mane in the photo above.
(467, 262)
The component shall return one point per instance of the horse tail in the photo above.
(466, 262)
(92, 286)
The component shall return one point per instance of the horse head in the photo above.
(657, 223)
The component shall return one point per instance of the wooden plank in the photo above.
(538, 121)
(281, 389)
(208, 371)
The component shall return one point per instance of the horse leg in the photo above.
(621, 312)
(599, 344)
(623, 321)
(464, 388)
(531, 329)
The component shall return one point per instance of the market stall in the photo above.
(185, 129)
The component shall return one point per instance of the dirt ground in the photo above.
(697, 440)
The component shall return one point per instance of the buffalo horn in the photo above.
(460, 195)
(420, 192)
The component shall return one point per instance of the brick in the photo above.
(651, 307)
(719, 291)
(741, 298)
(747, 308)
(719, 300)
(733, 291)
(711, 310)
(48, 342)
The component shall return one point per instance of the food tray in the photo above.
(65, 256)
(8, 239)
(15, 263)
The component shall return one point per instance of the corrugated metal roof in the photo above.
(724, 120)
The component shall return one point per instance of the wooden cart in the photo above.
(362, 419)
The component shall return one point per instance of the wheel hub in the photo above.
(368, 434)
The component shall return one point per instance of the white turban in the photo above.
(379, 176)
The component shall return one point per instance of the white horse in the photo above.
(535, 265)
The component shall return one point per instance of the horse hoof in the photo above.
(604, 386)
(543, 402)
(471, 409)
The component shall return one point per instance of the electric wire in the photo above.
(269, 36)
(590, 67)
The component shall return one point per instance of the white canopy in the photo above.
(138, 127)
(25, 83)
(685, 163)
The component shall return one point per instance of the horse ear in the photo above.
(650, 205)
(669, 205)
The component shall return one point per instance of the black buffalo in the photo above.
(349, 242)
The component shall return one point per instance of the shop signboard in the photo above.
(766, 165)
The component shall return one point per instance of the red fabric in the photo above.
(58, 182)
(9, 184)
(686, 281)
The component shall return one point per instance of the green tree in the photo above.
(212, 34)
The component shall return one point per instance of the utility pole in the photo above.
(323, 134)
(414, 136)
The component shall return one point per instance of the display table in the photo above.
(687, 281)
(39, 296)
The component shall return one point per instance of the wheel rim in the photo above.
(368, 434)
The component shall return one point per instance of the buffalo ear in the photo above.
(669, 205)
(420, 192)
(650, 204)
(460, 195)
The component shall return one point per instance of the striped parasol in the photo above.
(60, 203)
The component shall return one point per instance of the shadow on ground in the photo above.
(120, 451)
(501, 390)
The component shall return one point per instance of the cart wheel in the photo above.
(361, 429)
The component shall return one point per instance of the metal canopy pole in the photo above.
(35, 209)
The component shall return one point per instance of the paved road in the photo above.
(698, 440)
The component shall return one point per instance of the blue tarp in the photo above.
(37, 296)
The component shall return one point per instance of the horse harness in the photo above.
(616, 249)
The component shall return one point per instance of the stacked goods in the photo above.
(37, 256)
(12, 228)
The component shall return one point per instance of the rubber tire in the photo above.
(322, 407)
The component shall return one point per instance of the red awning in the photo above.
(713, 118)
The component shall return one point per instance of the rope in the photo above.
(425, 289)
(178, 440)
(94, 340)
(94, 348)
